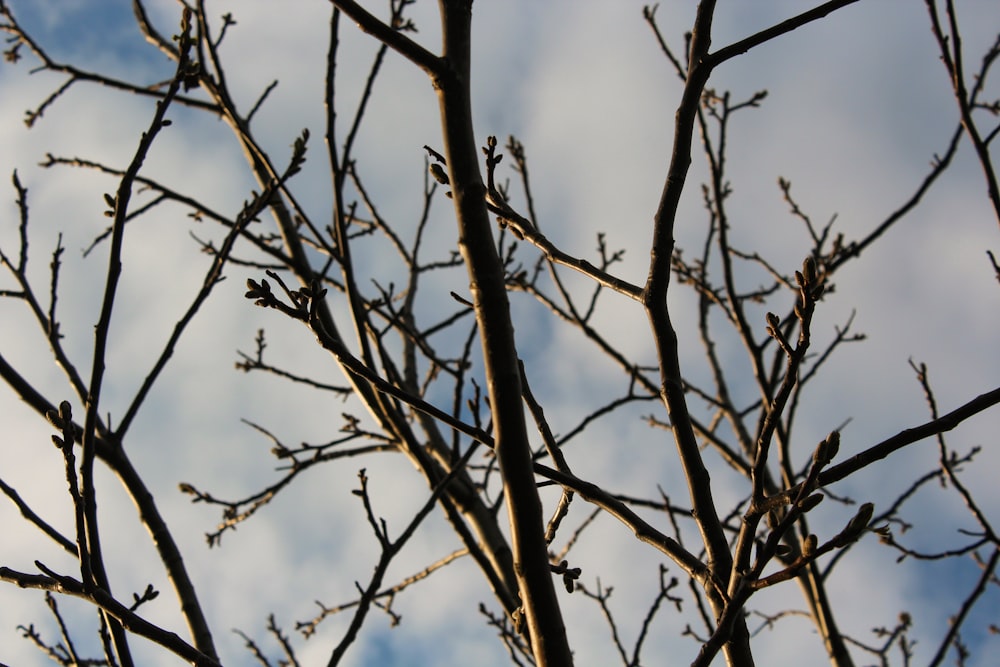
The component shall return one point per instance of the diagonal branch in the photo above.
(396, 40)
(744, 45)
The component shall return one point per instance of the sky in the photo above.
(858, 105)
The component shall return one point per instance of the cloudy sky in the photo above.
(858, 105)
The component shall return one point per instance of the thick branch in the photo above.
(396, 40)
(487, 284)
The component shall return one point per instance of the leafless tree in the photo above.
(433, 370)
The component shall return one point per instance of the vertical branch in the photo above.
(93, 573)
(655, 296)
(665, 337)
(337, 167)
(950, 46)
(486, 277)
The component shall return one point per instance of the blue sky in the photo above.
(858, 104)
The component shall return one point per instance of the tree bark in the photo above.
(540, 607)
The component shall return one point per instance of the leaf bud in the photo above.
(860, 520)
(438, 173)
(827, 449)
(832, 445)
(808, 503)
(884, 533)
(517, 618)
(809, 269)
